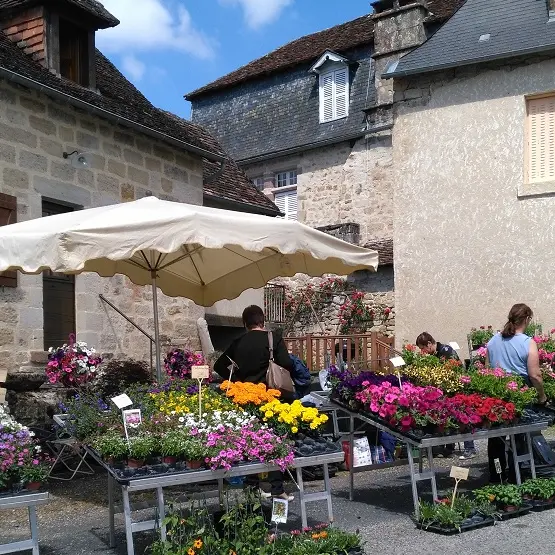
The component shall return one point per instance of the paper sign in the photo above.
(459, 473)
(132, 418)
(200, 372)
(362, 456)
(280, 508)
(497, 466)
(122, 401)
(454, 345)
(397, 361)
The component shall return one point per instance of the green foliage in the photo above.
(141, 446)
(502, 495)
(480, 336)
(110, 445)
(539, 488)
(533, 329)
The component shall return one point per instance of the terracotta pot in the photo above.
(193, 465)
(169, 460)
(135, 463)
(33, 486)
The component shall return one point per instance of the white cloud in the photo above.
(148, 25)
(133, 67)
(259, 12)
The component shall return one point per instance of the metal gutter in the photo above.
(440, 67)
(84, 105)
(312, 146)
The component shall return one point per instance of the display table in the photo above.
(428, 443)
(20, 501)
(160, 481)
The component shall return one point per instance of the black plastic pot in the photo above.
(506, 515)
(452, 531)
(538, 506)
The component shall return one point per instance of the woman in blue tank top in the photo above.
(513, 351)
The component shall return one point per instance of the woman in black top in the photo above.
(251, 354)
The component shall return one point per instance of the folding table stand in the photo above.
(19, 501)
(160, 481)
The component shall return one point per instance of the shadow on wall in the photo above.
(382, 281)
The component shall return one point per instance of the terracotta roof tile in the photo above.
(93, 7)
(339, 39)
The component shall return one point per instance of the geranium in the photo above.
(73, 364)
(178, 362)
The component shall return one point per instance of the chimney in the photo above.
(28, 30)
(398, 29)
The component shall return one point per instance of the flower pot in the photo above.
(135, 463)
(169, 460)
(194, 465)
(33, 486)
(510, 508)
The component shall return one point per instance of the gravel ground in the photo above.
(75, 522)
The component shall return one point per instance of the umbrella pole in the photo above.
(156, 327)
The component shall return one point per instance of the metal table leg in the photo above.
(128, 521)
(420, 461)
(161, 513)
(300, 485)
(112, 535)
(351, 457)
(531, 453)
(327, 485)
(413, 479)
(515, 459)
(34, 529)
(432, 472)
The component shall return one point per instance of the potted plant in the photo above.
(139, 448)
(194, 452)
(34, 472)
(480, 336)
(538, 489)
(507, 497)
(172, 446)
(111, 447)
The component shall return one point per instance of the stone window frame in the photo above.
(530, 187)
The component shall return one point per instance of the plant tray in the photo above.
(452, 531)
(524, 509)
(538, 506)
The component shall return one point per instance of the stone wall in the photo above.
(124, 165)
(470, 239)
(341, 184)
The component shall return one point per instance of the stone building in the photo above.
(310, 123)
(74, 133)
(474, 201)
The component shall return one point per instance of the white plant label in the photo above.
(200, 372)
(397, 361)
(459, 473)
(280, 509)
(497, 466)
(122, 401)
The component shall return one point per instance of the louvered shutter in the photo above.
(287, 204)
(341, 97)
(8, 215)
(326, 97)
(541, 140)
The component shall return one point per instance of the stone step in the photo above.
(26, 378)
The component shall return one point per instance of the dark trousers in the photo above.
(496, 450)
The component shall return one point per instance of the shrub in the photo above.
(119, 374)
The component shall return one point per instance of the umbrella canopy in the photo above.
(204, 254)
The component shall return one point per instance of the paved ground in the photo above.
(75, 523)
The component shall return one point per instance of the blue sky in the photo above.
(170, 47)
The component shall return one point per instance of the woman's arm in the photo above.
(534, 371)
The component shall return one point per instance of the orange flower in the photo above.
(249, 393)
(191, 551)
(197, 544)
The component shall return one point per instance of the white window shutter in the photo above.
(326, 97)
(287, 204)
(541, 140)
(341, 100)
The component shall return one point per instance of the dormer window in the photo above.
(333, 73)
(74, 52)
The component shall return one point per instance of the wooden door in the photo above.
(58, 296)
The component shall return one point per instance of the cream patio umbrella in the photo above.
(203, 254)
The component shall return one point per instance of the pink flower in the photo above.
(465, 379)
(513, 386)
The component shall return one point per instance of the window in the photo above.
(285, 179)
(74, 52)
(540, 147)
(287, 203)
(334, 95)
(259, 183)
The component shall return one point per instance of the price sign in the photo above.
(459, 473)
(122, 401)
(454, 345)
(200, 372)
(397, 361)
(497, 466)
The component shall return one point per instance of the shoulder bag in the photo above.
(276, 376)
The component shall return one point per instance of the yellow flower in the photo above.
(191, 551)
(268, 414)
(198, 544)
(294, 429)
